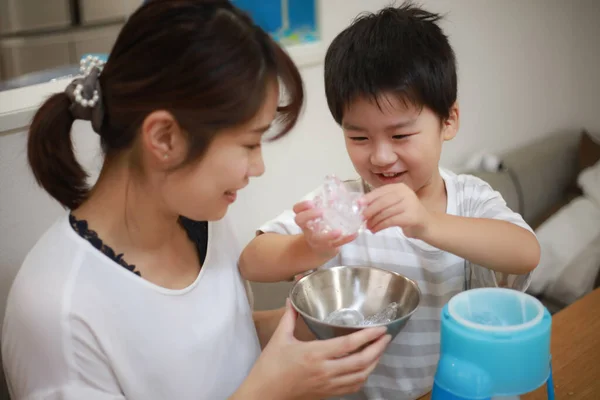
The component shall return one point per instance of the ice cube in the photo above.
(341, 208)
(486, 318)
(388, 314)
(352, 317)
(346, 317)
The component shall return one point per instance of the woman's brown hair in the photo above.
(204, 61)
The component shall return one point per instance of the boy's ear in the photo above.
(451, 124)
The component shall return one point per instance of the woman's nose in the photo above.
(257, 165)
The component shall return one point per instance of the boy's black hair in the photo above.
(400, 50)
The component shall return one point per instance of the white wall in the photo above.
(527, 68)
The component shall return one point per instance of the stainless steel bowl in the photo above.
(365, 289)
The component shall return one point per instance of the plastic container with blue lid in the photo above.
(495, 343)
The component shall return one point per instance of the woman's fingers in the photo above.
(360, 361)
(348, 344)
(351, 383)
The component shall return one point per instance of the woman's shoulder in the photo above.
(52, 249)
(45, 283)
(39, 297)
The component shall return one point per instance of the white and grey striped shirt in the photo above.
(407, 368)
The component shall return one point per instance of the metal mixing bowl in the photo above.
(365, 289)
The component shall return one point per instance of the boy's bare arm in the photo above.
(272, 257)
(498, 245)
(495, 244)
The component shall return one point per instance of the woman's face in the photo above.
(204, 190)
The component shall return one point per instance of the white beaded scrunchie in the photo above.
(85, 67)
(85, 93)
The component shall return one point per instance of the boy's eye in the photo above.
(400, 136)
(358, 138)
(253, 146)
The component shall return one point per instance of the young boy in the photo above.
(391, 84)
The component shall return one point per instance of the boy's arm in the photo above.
(495, 244)
(489, 235)
(274, 257)
(484, 231)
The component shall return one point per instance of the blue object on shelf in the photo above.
(266, 13)
(302, 14)
(298, 26)
(494, 342)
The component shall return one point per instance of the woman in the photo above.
(129, 296)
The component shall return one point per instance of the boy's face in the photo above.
(394, 142)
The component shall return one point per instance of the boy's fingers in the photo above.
(379, 204)
(303, 206)
(367, 198)
(387, 223)
(303, 217)
(395, 210)
(326, 237)
(344, 240)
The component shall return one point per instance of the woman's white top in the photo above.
(80, 326)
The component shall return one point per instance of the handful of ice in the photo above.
(487, 318)
(341, 208)
(352, 317)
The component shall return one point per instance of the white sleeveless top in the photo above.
(80, 326)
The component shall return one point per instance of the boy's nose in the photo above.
(383, 155)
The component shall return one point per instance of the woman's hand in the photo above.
(291, 369)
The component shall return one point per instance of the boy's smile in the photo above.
(389, 141)
(390, 177)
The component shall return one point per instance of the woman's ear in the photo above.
(163, 140)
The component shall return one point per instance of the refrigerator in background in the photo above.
(39, 38)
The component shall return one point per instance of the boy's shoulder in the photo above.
(464, 182)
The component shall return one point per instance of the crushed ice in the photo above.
(487, 318)
(352, 317)
(341, 208)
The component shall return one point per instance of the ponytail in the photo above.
(226, 63)
(51, 155)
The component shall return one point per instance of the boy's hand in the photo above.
(396, 205)
(325, 244)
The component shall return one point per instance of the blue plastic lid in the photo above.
(496, 310)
